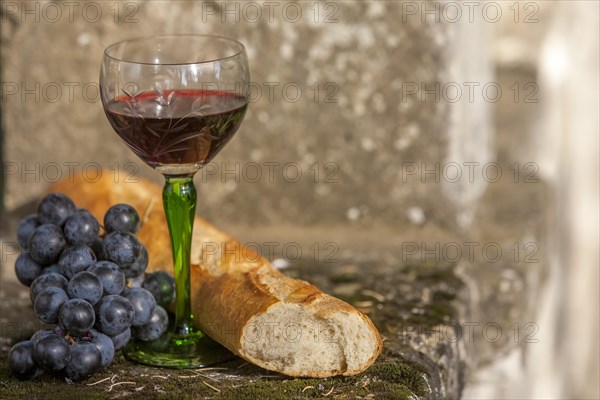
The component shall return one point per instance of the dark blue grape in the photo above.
(55, 209)
(81, 228)
(21, 363)
(46, 243)
(26, 227)
(120, 340)
(60, 331)
(42, 333)
(77, 316)
(139, 265)
(159, 321)
(111, 276)
(105, 345)
(75, 259)
(96, 247)
(27, 269)
(122, 218)
(51, 352)
(121, 248)
(162, 287)
(114, 314)
(85, 285)
(51, 268)
(143, 305)
(48, 303)
(134, 282)
(52, 279)
(85, 360)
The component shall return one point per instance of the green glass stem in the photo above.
(179, 201)
(183, 346)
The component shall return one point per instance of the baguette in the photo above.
(239, 299)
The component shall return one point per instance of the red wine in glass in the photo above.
(176, 127)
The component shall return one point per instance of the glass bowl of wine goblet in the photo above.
(175, 101)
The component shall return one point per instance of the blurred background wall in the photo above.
(374, 125)
(327, 88)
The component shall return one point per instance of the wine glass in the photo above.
(176, 100)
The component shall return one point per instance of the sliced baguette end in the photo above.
(298, 342)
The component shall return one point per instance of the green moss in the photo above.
(443, 296)
(391, 391)
(344, 278)
(433, 315)
(190, 388)
(434, 273)
(401, 380)
(275, 390)
(11, 388)
(409, 375)
(390, 380)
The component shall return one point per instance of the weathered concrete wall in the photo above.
(347, 133)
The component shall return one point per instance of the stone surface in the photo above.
(414, 307)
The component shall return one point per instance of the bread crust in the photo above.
(233, 286)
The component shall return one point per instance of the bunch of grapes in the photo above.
(91, 286)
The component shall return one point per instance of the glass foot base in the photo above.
(173, 350)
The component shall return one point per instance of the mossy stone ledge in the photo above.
(415, 308)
